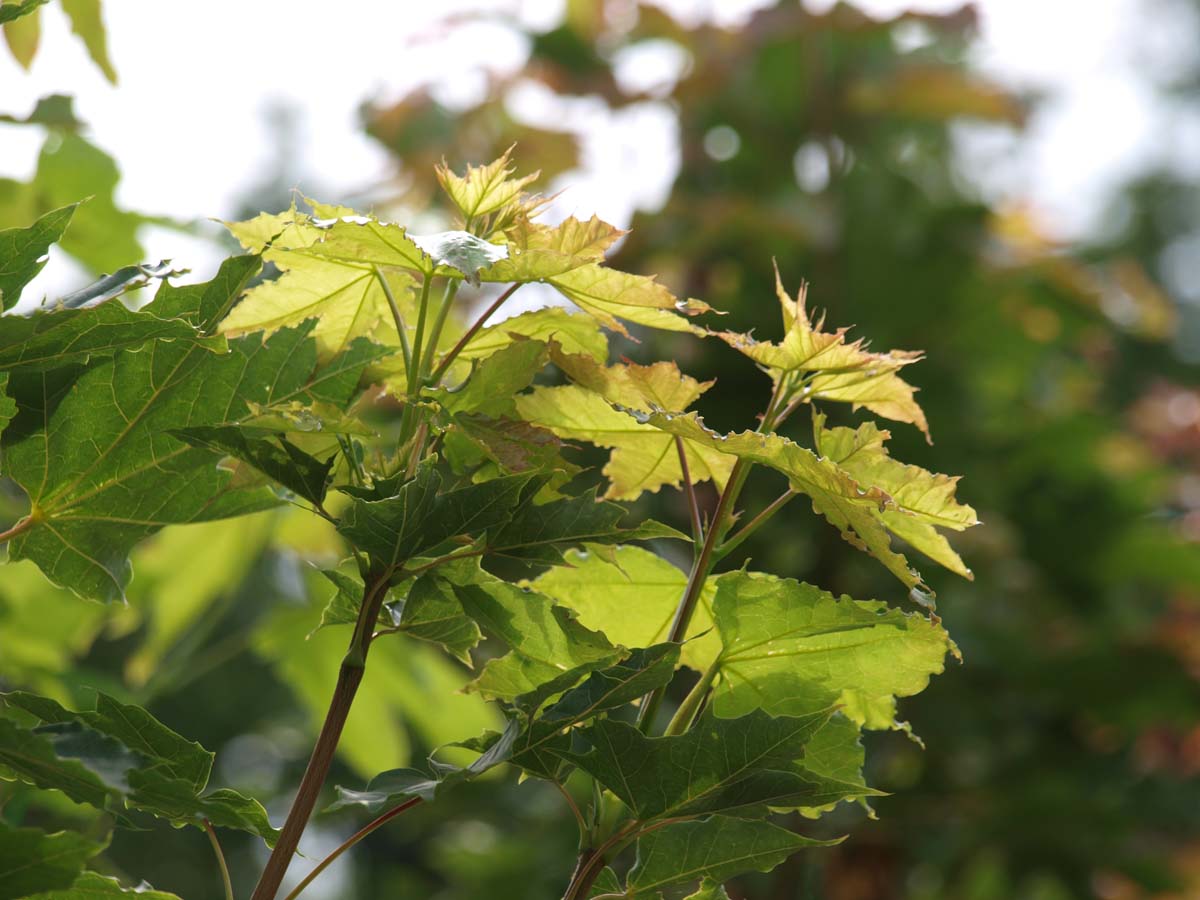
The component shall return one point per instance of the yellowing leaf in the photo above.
(853, 509)
(574, 333)
(829, 367)
(920, 500)
(643, 457)
(342, 293)
(660, 386)
(483, 189)
(611, 295)
(537, 251)
(632, 599)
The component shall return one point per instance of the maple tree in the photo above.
(370, 385)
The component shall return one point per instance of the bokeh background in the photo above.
(1012, 186)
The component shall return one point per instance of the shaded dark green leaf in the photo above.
(32, 861)
(717, 849)
(421, 516)
(279, 459)
(718, 764)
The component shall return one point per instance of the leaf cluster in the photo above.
(360, 385)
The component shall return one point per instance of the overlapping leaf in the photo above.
(643, 457)
(921, 501)
(854, 509)
(631, 596)
(614, 297)
(549, 650)
(93, 886)
(716, 849)
(94, 451)
(743, 765)
(483, 190)
(421, 515)
(603, 691)
(32, 861)
(118, 756)
(575, 333)
(322, 280)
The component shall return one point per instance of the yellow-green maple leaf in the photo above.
(341, 291)
(643, 457)
(832, 367)
(921, 501)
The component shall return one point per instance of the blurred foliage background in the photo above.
(1061, 760)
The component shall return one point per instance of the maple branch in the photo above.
(349, 677)
(470, 333)
(350, 842)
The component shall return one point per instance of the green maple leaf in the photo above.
(93, 886)
(484, 190)
(118, 757)
(23, 250)
(32, 861)
(548, 649)
(338, 286)
(854, 509)
(791, 649)
(575, 333)
(93, 449)
(718, 765)
(631, 596)
(715, 849)
(603, 691)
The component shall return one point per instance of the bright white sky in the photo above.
(186, 124)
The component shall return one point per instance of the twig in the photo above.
(216, 845)
(350, 842)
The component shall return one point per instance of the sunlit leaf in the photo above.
(87, 22)
(483, 189)
(613, 296)
(854, 509)
(339, 286)
(632, 599)
(573, 332)
(825, 366)
(792, 649)
(643, 457)
(23, 33)
(921, 502)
